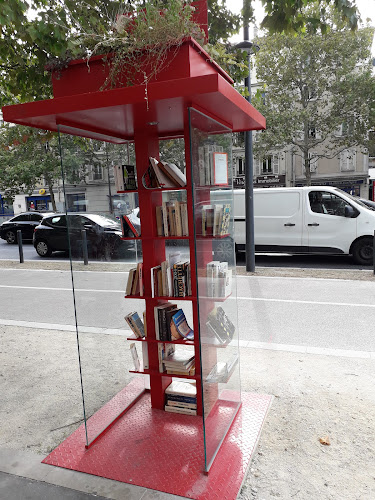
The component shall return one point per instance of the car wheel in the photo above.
(363, 251)
(43, 250)
(11, 237)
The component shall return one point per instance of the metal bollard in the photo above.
(373, 252)
(84, 247)
(20, 247)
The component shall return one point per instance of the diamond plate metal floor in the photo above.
(165, 451)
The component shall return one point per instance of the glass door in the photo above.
(211, 163)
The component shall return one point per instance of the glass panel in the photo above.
(89, 227)
(211, 158)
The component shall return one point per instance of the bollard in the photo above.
(84, 247)
(373, 252)
(20, 247)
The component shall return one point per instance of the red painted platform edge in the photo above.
(227, 473)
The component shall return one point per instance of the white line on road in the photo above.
(254, 299)
(346, 353)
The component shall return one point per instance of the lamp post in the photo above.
(249, 48)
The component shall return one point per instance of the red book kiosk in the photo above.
(197, 439)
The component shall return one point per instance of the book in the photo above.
(164, 350)
(137, 287)
(179, 327)
(166, 279)
(128, 228)
(159, 221)
(189, 371)
(174, 173)
(164, 181)
(144, 323)
(154, 281)
(165, 219)
(128, 174)
(169, 323)
(134, 354)
(181, 404)
(179, 388)
(161, 325)
(135, 323)
(129, 284)
(219, 324)
(212, 271)
(146, 365)
(179, 357)
(225, 220)
(184, 218)
(177, 409)
(218, 214)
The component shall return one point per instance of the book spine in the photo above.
(159, 221)
(165, 219)
(140, 278)
(133, 326)
(182, 404)
(183, 399)
(180, 281)
(146, 365)
(163, 335)
(178, 219)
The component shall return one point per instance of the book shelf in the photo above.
(203, 109)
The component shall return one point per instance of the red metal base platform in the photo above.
(165, 451)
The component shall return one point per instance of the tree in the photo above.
(28, 45)
(29, 156)
(312, 86)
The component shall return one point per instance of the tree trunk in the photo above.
(51, 193)
(306, 162)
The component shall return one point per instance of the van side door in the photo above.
(278, 220)
(328, 230)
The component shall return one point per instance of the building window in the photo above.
(347, 160)
(97, 172)
(241, 166)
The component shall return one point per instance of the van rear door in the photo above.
(278, 219)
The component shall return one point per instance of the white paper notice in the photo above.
(221, 169)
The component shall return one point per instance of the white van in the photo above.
(307, 220)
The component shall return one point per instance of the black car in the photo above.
(103, 235)
(25, 222)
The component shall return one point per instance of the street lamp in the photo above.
(249, 48)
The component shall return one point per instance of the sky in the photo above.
(365, 7)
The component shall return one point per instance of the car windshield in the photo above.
(354, 198)
(104, 220)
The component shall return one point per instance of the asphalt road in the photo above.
(11, 252)
(321, 313)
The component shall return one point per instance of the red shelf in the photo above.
(189, 297)
(127, 238)
(127, 191)
(146, 339)
(164, 374)
(158, 189)
(211, 237)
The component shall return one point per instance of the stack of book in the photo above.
(125, 179)
(171, 323)
(172, 219)
(134, 285)
(171, 280)
(161, 174)
(180, 362)
(220, 325)
(214, 220)
(218, 279)
(181, 397)
(136, 324)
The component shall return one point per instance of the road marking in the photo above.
(254, 299)
(305, 302)
(346, 353)
(63, 271)
(62, 289)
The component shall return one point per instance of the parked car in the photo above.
(103, 234)
(25, 222)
